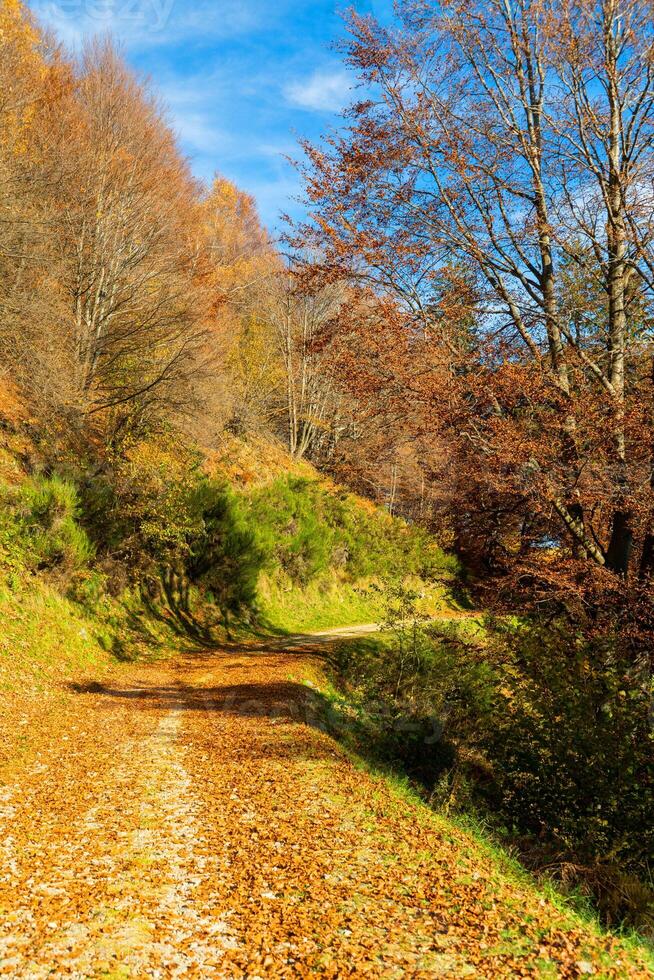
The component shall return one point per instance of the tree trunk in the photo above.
(619, 552)
(647, 558)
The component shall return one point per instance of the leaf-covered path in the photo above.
(188, 820)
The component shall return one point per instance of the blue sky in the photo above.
(242, 78)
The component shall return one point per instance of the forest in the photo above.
(425, 410)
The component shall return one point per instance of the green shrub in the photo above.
(88, 588)
(142, 509)
(413, 686)
(287, 519)
(171, 523)
(223, 554)
(14, 550)
(306, 530)
(40, 527)
(571, 736)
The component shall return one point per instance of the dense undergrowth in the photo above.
(527, 730)
(322, 548)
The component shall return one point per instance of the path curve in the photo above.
(320, 637)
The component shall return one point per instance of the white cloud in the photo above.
(143, 24)
(67, 29)
(201, 135)
(324, 91)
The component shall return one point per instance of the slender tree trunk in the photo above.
(620, 548)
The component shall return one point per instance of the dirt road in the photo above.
(189, 820)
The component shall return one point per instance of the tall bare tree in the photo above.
(300, 318)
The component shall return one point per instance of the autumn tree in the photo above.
(22, 74)
(25, 76)
(243, 265)
(103, 285)
(384, 438)
(513, 140)
(128, 242)
(300, 318)
(266, 329)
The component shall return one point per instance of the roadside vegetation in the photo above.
(156, 549)
(528, 732)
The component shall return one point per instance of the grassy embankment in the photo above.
(310, 553)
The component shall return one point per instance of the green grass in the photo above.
(324, 603)
(330, 601)
(43, 634)
(46, 635)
